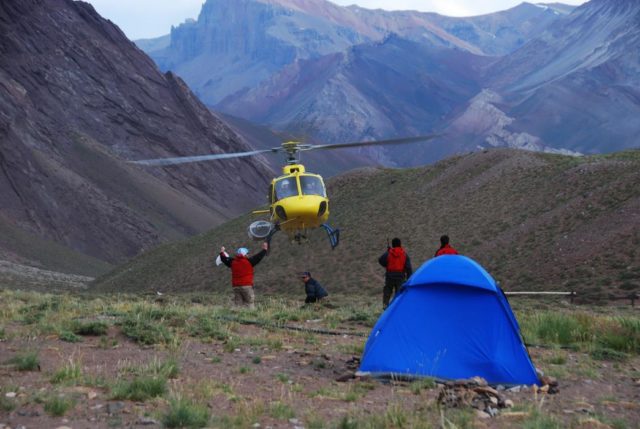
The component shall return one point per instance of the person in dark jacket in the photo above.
(398, 265)
(445, 247)
(242, 273)
(314, 290)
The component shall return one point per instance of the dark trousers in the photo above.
(391, 286)
(311, 299)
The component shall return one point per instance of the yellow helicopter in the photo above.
(298, 199)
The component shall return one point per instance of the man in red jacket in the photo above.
(242, 273)
(445, 248)
(398, 266)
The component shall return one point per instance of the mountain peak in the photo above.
(81, 100)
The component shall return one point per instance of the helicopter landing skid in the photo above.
(334, 235)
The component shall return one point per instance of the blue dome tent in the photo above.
(451, 321)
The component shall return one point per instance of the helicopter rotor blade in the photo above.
(199, 158)
(370, 143)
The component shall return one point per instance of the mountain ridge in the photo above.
(79, 101)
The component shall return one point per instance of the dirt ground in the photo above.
(243, 387)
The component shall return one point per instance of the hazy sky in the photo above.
(151, 18)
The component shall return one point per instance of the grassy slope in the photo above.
(535, 221)
(49, 254)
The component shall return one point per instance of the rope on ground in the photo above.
(342, 333)
(289, 327)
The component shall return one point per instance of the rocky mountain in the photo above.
(77, 102)
(372, 91)
(236, 44)
(535, 221)
(577, 85)
(545, 77)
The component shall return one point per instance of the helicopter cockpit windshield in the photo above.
(286, 188)
(312, 185)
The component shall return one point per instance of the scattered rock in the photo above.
(491, 411)
(346, 377)
(472, 393)
(146, 421)
(353, 363)
(114, 407)
(482, 415)
(10, 394)
(478, 381)
(25, 413)
(549, 385)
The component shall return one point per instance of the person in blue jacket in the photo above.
(315, 291)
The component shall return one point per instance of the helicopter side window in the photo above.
(312, 185)
(286, 188)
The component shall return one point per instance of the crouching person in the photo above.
(242, 274)
(314, 290)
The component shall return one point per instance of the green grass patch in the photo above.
(69, 337)
(281, 411)
(580, 330)
(540, 420)
(57, 406)
(418, 386)
(169, 368)
(69, 373)
(558, 358)
(185, 414)
(89, 328)
(140, 388)
(207, 327)
(107, 343)
(25, 361)
(6, 404)
(282, 377)
(146, 332)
